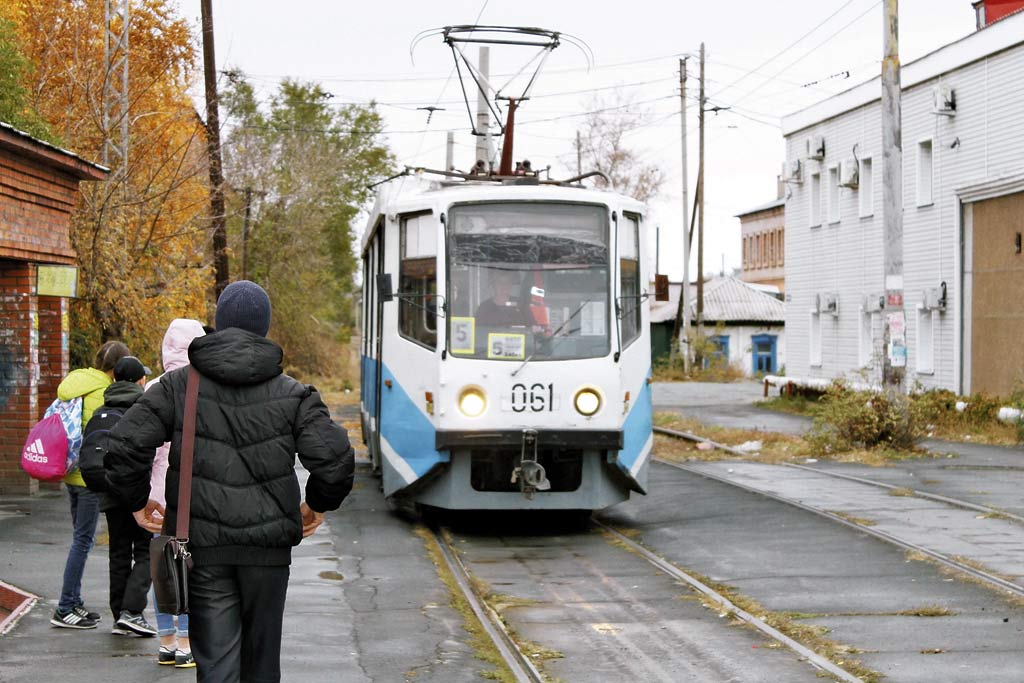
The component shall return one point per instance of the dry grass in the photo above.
(776, 447)
(483, 648)
(901, 492)
(862, 521)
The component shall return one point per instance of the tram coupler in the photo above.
(530, 473)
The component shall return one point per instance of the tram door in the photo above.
(372, 366)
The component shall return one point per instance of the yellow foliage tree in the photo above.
(141, 237)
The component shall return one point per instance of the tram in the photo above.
(506, 358)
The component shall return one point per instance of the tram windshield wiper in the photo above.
(553, 334)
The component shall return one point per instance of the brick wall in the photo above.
(35, 205)
(19, 397)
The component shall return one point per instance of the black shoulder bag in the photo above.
(169, 558)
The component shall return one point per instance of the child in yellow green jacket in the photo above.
(89, 383)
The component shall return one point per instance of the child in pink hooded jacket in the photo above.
(174, 644)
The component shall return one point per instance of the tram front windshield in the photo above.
(528, 281)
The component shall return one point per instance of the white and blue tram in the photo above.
(505, 344)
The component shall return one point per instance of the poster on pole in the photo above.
(897, 324)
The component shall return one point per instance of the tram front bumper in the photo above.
(597, 439)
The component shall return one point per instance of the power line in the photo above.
(786, 49)
(812, 50)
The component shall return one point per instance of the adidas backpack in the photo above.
(51, 449)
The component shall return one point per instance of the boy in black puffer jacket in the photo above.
(247, 507)
(129, 543)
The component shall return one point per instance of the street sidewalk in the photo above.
(35, 533)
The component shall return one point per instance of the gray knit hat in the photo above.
(244, 304)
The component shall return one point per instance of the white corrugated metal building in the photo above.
(751, 331)
(963, 189)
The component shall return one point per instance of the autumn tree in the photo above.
(298, 169)
(15, 69)
(604, 147)
(140, 236)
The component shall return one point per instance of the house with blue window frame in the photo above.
(746, 324)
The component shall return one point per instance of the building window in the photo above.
(719, 355)
(866, 189)
(833, 194)
(925, 341)
(782, 247)
(815, 199)
(866, 340)
(924, 173)
(815, 339)
(417, 278)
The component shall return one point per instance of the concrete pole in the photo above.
(685, 292)
(449, 155)
(894, 357)
(483, 114)
(700, 201)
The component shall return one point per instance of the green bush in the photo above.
(847, 420)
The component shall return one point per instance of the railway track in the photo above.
(525, 672)
(943, 559)
(515, 659)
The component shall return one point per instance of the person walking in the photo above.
(175, 646)
(247, 508)
(128, 542)
(89, 384)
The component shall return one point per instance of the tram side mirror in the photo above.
(384, 290)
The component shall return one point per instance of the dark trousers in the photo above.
(129, 562)
(235, 617)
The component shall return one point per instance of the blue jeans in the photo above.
(165, 623)
(85, 512)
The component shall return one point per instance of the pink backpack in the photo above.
(51, 449)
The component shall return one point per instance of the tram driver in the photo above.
(501, 310)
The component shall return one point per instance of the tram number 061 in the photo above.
(537, 398)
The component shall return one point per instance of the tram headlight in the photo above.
(587, 401)
(472, 402)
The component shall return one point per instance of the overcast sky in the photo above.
(765, 59)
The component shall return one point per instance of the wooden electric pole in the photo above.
(894, 356)
(217, 210)
(700, 219)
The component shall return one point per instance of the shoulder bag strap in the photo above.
(188, 442)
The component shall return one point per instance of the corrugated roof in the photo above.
(725, 300)
(764, 207)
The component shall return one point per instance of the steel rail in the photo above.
(811, 656)
(991, 579)
(955, 502)
(522, 668)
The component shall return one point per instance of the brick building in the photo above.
(38, 192)
(763, 231)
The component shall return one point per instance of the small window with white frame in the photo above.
(925, 341)
(866, 189)
(833, 194)
(924, 172)
(815, 200)
(815, 339)
(417, 278)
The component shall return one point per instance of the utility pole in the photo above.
(483, 115)
(700, 220)
(115, 87)
(449, 155)
(681, 329)
(894, 339)
(217, 210)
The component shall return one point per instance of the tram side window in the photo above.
(629, 282)
(417, 274)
